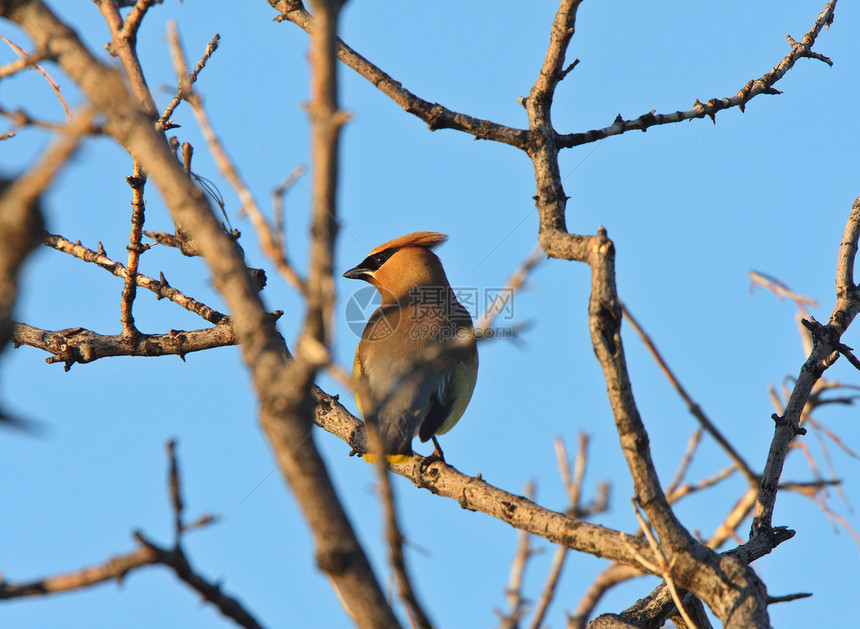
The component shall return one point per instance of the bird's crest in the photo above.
(428, 240)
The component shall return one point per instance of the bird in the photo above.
(416, 364)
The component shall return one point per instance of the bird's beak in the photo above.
(358, 273)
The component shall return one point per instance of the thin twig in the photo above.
(665, 566)
(692, 445)
(134, 19)
(186, 82)
(515, 282)
(229, 171)
(692, 406)
(755, 87)
(137, 181)
(160, 287)
(517, 604)
(21, 63)
(395, 546)
(573, 486)
(148, 553)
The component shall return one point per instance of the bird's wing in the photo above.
(450, 397)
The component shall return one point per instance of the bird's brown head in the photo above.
(399, 265)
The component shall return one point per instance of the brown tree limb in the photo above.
(610, 577)
(435, 115)
(825, 350)
(161, 288)
(116, 568)
(761, 85)
(137, 181)
(21, 218)
(124, 45)
(731, 588)
(393, 536)
(77, 345)
(268, 242)
(148, 554)
(475, 494)
(338, 551)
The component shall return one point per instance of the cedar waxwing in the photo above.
(416, 364)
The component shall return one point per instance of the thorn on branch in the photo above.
(780, 420)
(780, 534)
(809, 53)
(646, 120)
(787, 597)
(846, 351)
(567, 70)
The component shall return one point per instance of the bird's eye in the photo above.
(375, 261)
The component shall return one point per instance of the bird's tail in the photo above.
(396, 441)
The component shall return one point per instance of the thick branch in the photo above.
(475, 494)
(21, 218)
(263, 349)
(77, 345)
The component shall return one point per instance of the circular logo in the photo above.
(361, 306)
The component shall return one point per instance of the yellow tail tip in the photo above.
(391, 458)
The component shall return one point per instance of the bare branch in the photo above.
(116, 568)
(161, 288)
(21, 218)
(694, 408)
(395, 545)
(137, 181)
(185, 83)
(269, 243)
(515, 282)
(665, 566)
(435, 115)
(517, 604)
(780, 290)
(475, 494)
(613, 575)
(124, 45)
(824, 353)
(762, 85)
(77, 345)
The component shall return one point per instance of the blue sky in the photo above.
(691, 207)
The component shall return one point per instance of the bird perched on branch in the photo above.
(417, 362)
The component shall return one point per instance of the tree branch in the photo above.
(435, 115)
(161, 288)
(825, 350)
(146, 555)
(761, 85)
(695, 409)
(77, 345)
(475, 494)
